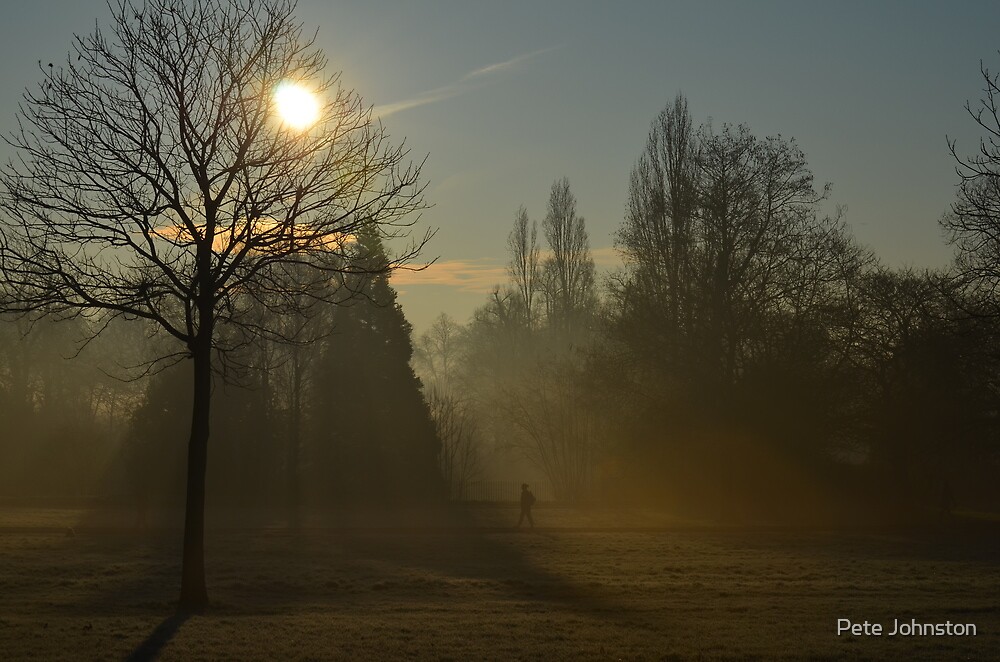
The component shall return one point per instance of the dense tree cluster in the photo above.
(63, 420)
(750, 358)
(337, 421)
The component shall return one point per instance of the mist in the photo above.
(221, 436)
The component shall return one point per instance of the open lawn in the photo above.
(584, 585)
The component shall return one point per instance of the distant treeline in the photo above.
(338, 421)
(750, 359)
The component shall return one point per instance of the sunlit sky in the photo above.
(505, 97)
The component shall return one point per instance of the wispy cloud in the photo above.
(467, 82)
(435, 95)
(483, 274)
(505, 65)
(478, 275)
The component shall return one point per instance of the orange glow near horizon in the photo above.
(239, 234)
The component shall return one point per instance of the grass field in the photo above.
(584, 585)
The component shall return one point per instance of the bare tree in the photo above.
(657, 236)
(459, 458)
(292, 382)
(438, 353)
(522, 246)
(154, 180)
(973, 225)
(558, 427)
(723, 237)
(569, 270)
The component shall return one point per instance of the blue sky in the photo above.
(505, 97)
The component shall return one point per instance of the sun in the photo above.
(297, 106)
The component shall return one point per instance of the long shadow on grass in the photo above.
(151, 648)
(453, 566)
(355, 567)
(252, 571)
(496, 565)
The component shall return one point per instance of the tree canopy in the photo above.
(154, 180)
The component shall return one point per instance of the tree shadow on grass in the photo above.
(103, 572)
(452, 560)
(153, 645)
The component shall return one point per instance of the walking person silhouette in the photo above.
(527, 501)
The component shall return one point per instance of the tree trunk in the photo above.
(292, 449)
(194, 595)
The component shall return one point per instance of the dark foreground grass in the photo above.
(579, 588)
